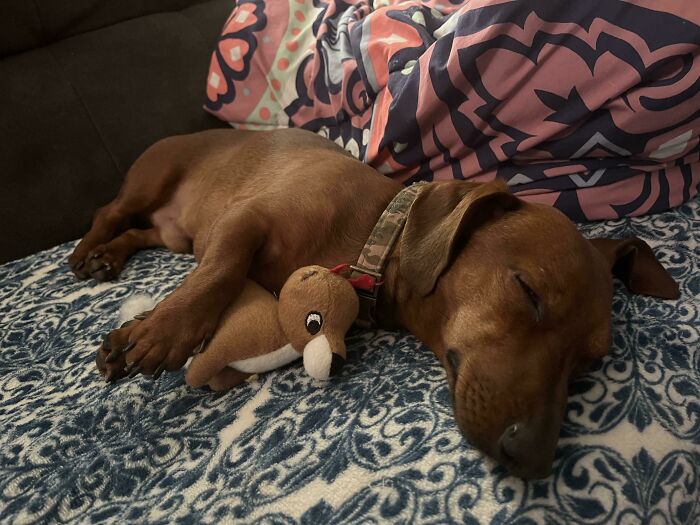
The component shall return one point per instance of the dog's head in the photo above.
(513, 300)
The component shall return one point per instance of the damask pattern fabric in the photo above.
(593, 107)
(378, 444)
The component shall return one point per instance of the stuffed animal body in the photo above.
(249, 340)
(258, 333)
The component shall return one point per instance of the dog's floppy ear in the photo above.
(633, 262)
(444, 214)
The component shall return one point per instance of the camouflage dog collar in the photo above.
(367, 273)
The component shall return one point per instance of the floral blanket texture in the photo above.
(378, 444)
(591, 106)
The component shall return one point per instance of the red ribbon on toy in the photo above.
(340, 269)
(364, 282)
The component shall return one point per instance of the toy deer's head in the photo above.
(317, 306)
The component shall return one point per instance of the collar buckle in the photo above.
(368, 307)
(359, 269)
(368, 298)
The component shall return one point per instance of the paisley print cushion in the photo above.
(593, 107)
(376, 445)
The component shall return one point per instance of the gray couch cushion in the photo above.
(77, 113)
(25, 24)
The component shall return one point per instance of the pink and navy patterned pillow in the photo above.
(593, 107)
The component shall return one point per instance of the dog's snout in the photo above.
(525, 453)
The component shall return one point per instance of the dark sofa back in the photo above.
(85, 87)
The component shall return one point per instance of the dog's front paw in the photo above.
(165, 340)
(99, 263)
(77, 265)
(111, 355)
(102, 265)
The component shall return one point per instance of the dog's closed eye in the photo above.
(532, 297)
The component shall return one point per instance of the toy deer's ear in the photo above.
(364, 282)
(342, 270)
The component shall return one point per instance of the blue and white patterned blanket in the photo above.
(376, 445)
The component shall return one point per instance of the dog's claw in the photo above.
(140, 317)
(79, 265)
(113, 356)
(108, 376)
(134, 371)
(158, 371)
(128, 347)
(202, 346)
(95, 255)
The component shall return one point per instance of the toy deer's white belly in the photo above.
(266, 362)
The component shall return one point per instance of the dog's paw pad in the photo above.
(77, 266)
(101, 265)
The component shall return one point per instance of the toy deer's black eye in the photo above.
(314, 321)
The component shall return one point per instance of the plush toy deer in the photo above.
(258, 333)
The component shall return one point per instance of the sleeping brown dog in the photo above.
(507, 294)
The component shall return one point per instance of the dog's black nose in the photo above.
(525, 452)
(337, 364)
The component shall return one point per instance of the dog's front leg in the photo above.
(181, 324)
